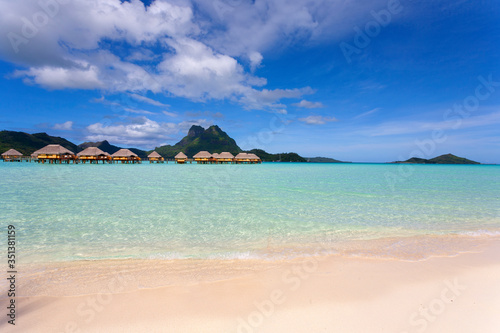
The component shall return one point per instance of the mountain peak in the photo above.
(195, 131)
(212, 139)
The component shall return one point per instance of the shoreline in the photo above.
(331, 293)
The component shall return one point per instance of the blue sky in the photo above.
(353, 80)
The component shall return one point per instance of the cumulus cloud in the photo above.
(66, 126)
(308, 105)
(140, 131)
(60, 78)
(185, 48)
(317, 120)
(255, 60)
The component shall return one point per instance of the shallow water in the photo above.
(272, 210)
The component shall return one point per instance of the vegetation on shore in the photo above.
(442, 159)
(212, 139)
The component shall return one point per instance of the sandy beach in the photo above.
(333, 293)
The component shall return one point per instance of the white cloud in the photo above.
(170, 114)
(139, 111)
(66, 126)
(60, 78)
(206, 73)
(317, 120)
(104, 101)
(308, 105)
(140, 131)
(255, 60)
(258, 99)
(268, 25)
(367, 113)
(185, 48)
(147, 100)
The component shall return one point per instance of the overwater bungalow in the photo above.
(254, 158)
(203, 157)
(242, 158)
(93, 155)
(246, 158)
(181, 158)
(12, 155)
(125, 156)
(224, 158)
(54, 154)
(155, 157)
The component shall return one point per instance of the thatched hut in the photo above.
(155, 157)
(12, 155)
(93, 155)
(225, 157)
(254, 158)
(247, 158)
(203, 157)
(181, 158)
(125, 156)
(54, 154)
(242, 158)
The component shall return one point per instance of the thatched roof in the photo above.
(254, 157)
(225, 155)
(52, 150)
(124, 153)
(203, 154)
(181, 156)
(92, 151)
(215, 155)
(154, 155)
(243, 156)
(12, 152)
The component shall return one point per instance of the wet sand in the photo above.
(334, 293)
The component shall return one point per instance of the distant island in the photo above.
(443, 159)
(323, 160)
(212, 139)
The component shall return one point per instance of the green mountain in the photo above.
(323, 160)
(212, 139)
(283, 157)
(451, 159)
(29, 143)
(111, 149)
(443, 159)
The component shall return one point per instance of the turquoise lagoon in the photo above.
(272, 210)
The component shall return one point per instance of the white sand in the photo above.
(316, 294)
